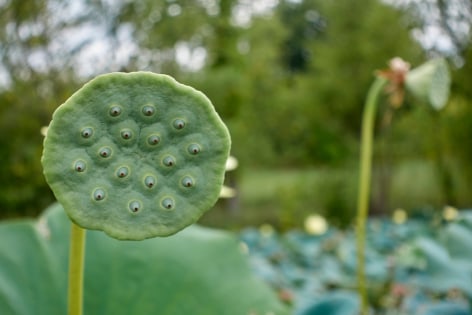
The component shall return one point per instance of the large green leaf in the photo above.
(435, 269)
(336, 303)
(456, 238)
(197, 271)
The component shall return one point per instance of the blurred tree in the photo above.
(40, 44)
(442, 27)
(290, 80)
(305, 25)
(29, 91)
(456, 136)
(320, 106)
(352, 48)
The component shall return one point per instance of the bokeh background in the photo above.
(289, 78)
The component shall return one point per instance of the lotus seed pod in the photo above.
(430, 82)
(136, 155)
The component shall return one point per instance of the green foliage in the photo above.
(290, 83)
(285, 198)
(339, 303)
(198, 271)
(23, 112)
(35, 77)
(351, 50)
(414, 267)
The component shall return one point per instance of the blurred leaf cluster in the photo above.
(288, 77)
(419, 265)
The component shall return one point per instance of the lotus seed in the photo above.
(99, 194)
(194, 148)
(154, 139)
(87, 132)
(122, 172)
(168, 203)
(169, 161)
(105, 152)
(187, 181)
(126, 134)
(148, 110)
(134, 206)
(115, 111)
(179, 124)
(79, 166)
(150, 181)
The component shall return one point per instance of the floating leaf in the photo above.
(337, 303)
(438, 272)
(457, 239)
(198, 271)
(446, 308)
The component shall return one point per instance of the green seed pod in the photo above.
(167, 203)
(135, 206)
(105, 152)
(150, 181)
(149, 110)
(194, 149)
(79, 166)
(115, 111)
(430, 82)
(126, 134)
(169, 161)
(87, 132)
(154, 139)
(179, 124)
(122, 172)
(187, 181)
(98, 194)
(127, 147)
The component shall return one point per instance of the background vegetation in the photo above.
(288, 77)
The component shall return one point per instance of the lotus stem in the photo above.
(365, 172)
(76, 270)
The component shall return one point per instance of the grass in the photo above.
(285, 197)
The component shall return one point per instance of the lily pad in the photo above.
(197, 271)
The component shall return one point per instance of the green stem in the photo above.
(367, 137)
(76, 270)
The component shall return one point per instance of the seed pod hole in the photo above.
(99, 194)
(168, 203)
(150, 181)
(194, 149)
(115, 111)
(149, 110)
(179, 124)
(87, 132)
(126, 134)
(169, 161)
(79, 166)
(134, 206)
(187, 181)
(122, 172)
(154, 139)
(105, 152)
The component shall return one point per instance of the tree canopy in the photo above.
(289, 77)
